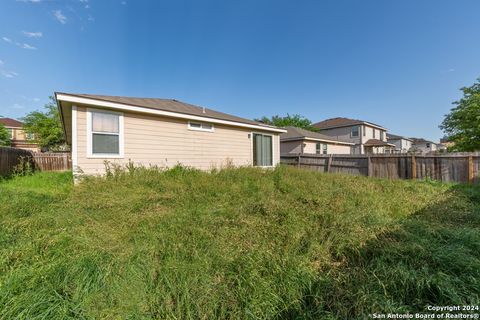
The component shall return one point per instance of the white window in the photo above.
(200, 126)
(381, 135)
(355, 131)
(318, 148)
(262, 150)
(325, 148)
(105, 134)
(10, 131)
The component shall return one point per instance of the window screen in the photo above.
(105, 133)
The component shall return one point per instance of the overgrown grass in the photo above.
(234, 244)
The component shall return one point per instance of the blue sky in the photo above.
(396, 63)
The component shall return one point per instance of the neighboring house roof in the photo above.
(343, 122)
(396, 137)
(8, 122)
(168, 105)
(294, 133)
(421, 141)
(377, 143)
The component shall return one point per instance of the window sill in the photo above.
(105, 156)
(203, 130)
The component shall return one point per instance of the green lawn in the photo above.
(236, 244)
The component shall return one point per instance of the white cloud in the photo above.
(83, 1)
(1, 62)
(17, 106)
(36, 99)
(7, 39)
(26, 46)
(8, 74)
(33, 34)
(87, 6)
(124, 2)
(31, 1)
(451, 70)
(90, 18)
(59, 16)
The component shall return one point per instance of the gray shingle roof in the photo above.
(171, 105)
(341, 122)
(294, 133)
(396, 137)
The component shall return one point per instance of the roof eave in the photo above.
(316, 139)
(120, 106)
(350, 125)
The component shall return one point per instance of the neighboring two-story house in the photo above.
(402, 144)
(367, 137)
(423, 146)
(19, 139)
(301, 141)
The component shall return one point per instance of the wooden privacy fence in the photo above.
(11, 158)
(458, 167)
(52, 161)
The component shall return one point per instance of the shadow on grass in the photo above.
(431, 258)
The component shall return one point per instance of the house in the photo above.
(447, 143)
(367, 137)
(18, 138)
(423, 146)
(402, 144)
(161, 132)
(300, 141)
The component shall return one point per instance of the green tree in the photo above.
(4, 136)
(295, 120)
(462, 124)
(46, 126)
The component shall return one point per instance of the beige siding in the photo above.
(165, 142)
(366, 132)
(291, 146)
(342, 134)
(311, 147)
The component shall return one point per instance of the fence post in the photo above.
(329, 163)
(369, 166)
(298, 161)
(470, 169)
(414, 168)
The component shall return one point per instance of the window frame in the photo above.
(318, 148)
(212, 129)
(12, 133)
(90, 132)
(325, 148)
(358, 132)
(381, 135)
(252, 134)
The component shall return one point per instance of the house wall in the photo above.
(291, 146)
(366, 132)
(401, 145)
(165, 142)
(422, 147)
(19, 140)
(311, 147)
(18, 133)
(342, 134)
